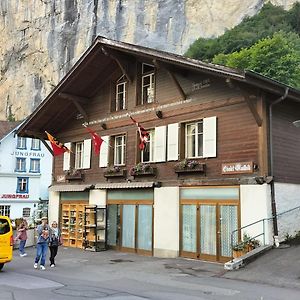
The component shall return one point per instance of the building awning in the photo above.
(69, 187)
(125, 185)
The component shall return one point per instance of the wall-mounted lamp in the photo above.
(296, 123)
(103, 125)
(159, 114)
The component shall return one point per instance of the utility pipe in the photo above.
(271, 168)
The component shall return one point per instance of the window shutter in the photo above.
(160, 144)
(172, 152)
(103, 158)
(210, 137)
(67, 156)
(87, 147)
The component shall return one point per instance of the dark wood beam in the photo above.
(119, 60)
(41, 137)
(253, 110)
(79, 99)
(76, 101)
(177, 84)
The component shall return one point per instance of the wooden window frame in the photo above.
(22, 181)
(19, 162)
(35, 144)
(123, 150)
(79, 165)
(196, 139)
(21, 143)
(150, 145)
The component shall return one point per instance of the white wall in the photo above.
(98, 197)
(53, 207)
(287, 196)
(166, 222)
(38, 182)
(256, 205)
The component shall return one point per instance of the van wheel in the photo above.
(1, 266)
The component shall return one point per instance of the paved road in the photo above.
(113, 275)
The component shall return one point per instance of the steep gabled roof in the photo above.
(95, 65)
(6, 127)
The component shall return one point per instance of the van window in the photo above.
(4, 226)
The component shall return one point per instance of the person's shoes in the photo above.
(24, 254)
(42, 268)
(52, 266)
(35, 265)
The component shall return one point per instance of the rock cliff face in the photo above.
(42, 39)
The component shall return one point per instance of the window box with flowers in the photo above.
(245, 246)
(142, 170)
(115, 171)
(189, 166)
(74, 174)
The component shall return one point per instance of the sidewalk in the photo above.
(278, 267)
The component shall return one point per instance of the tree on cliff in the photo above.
(277, 57)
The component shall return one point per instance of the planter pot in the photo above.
(76, 176)
(197, 169)
(121, 173)
(149, 172)
(238, 253)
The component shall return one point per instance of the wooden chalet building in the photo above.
(222, 151)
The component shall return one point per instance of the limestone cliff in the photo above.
(42, 39)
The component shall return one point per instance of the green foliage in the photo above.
(268, 21)
(277, 57)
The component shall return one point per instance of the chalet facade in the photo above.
(212, 163)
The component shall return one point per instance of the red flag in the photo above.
(97, 140)
(143, 133)
(58, 148)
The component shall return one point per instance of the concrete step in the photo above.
(241, 261)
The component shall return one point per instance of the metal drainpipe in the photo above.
(273, 202)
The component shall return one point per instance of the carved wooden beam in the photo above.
(177, 84)
(253, 110)
(119, 60)
(76, 101)
(41, 137)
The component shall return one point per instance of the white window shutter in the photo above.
(210, 137)
(160, 144)
(67, 157)
(172, 152)
(103, 158)
(87, 147)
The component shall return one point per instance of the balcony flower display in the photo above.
(142, 169)
(188, 165)
(114, 171)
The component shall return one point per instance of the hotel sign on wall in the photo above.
(237, 167)
(15, 196)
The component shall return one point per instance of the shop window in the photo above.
(148, 83)
(5, 210)
(34, 165)
(194, 140)
(35, 144)
(121, 87)
(79, 155)
(21, 143)
(119, 150)
(22, 185)
(20, 164)
(26, 212)
(148, 154)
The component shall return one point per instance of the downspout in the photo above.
(272, 185)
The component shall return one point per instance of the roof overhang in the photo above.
(126, 185)
(56, 110)
(70, 188)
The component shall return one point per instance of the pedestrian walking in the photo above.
(43, 231)
(54, 242)
(22, 236)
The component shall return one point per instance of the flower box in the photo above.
(199, 168)
(74, 175)
(116, 173)
(143, 170)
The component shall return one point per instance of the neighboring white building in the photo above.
(25, 172)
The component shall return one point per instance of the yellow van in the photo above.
(6, 241)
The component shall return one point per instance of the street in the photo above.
(114, 275)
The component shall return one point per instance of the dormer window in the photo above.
(121, 93)
(148, 82)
